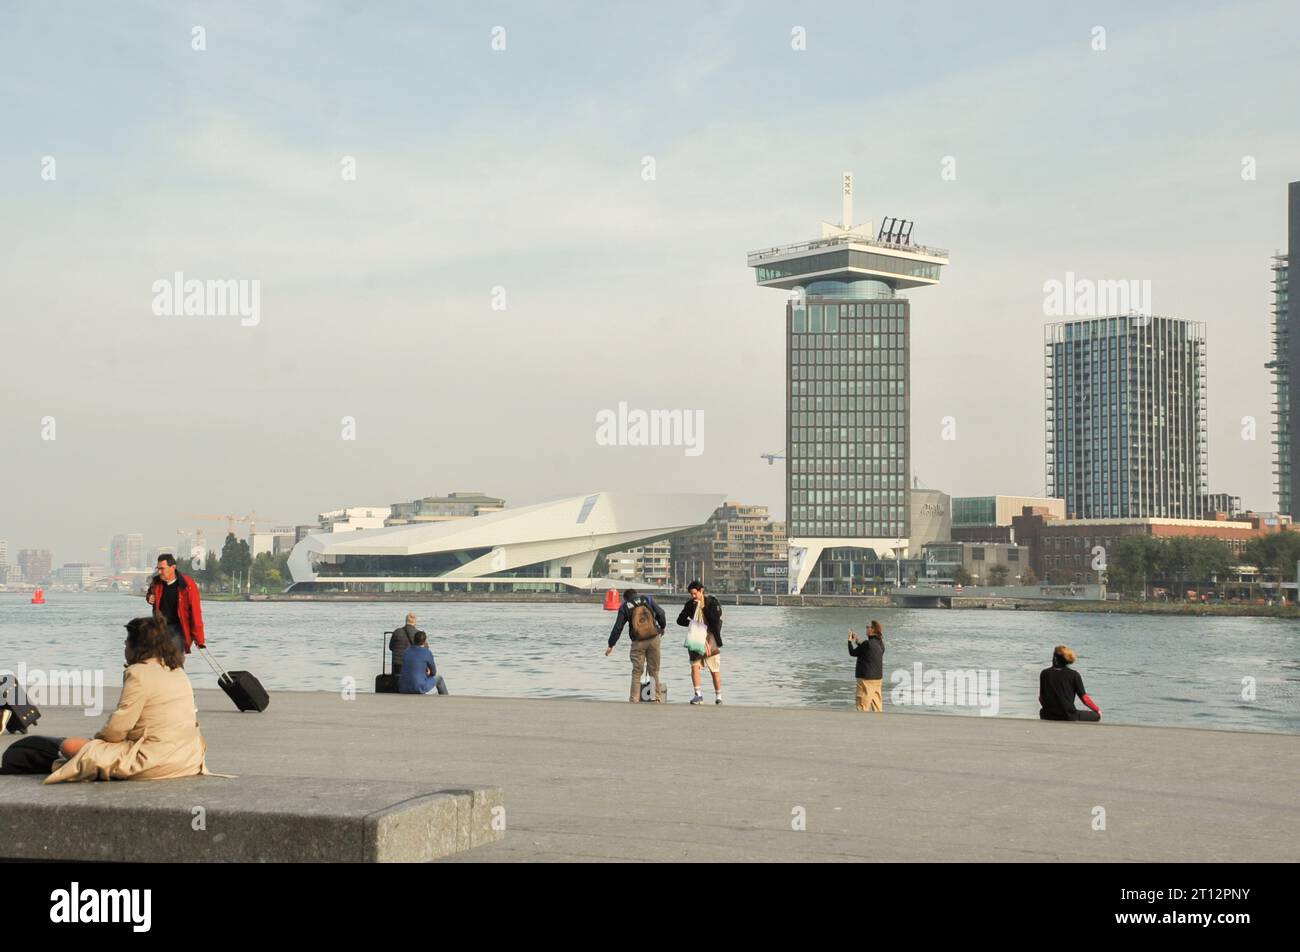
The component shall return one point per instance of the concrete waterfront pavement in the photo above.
(587, 780)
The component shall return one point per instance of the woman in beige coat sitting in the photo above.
(154, 733)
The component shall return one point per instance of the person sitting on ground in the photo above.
(1059, 685)
(402, 639)
(154, 733)
(419, 671)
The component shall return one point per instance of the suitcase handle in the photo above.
(214, 665)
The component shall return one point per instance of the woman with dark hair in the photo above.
(1059, 685)
(154, 733)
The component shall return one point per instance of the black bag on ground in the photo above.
(14, 703)
(31, 755)
(385, 683)
(240, 686)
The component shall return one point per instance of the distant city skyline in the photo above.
(532, 236)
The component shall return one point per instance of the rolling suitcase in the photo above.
(385, 683)
(240, 686)
(16, 713)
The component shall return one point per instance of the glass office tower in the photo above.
(848, 392)
(1126, 417)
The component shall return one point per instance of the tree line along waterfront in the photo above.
(1198, 568)
(235, 571)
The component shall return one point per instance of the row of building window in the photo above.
(889, 372)
(849, 388)
(844, 342)
(848, 497)
(873, 454)
(857, 480)
(847, 358)
(850, 530)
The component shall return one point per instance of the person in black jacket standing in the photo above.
(870, 671)
(706, 651)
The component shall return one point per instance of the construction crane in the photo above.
(771, 457)
(230, 519)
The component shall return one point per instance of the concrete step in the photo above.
(248, 819)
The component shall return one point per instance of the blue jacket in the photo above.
(415, 677)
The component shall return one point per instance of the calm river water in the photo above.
(1186, 672)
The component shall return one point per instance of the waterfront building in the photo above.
(989, 518)
(848, 385)
(1285, 363)
(1126, 417)
(725, 551)
(548, 547)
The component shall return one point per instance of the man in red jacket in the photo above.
(176, 599)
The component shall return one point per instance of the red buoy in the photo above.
(612, 601)
(38, 597)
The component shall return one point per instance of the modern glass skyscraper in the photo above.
(848, 385)
(1126, 417)
(1285, 364)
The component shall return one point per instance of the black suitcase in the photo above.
(385, 683)
(18, 714)
(240, 686)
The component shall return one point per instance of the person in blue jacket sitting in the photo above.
(419, 671)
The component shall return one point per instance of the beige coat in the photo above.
(153, 734)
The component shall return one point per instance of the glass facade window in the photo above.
(847, 420)
(974, 511)
(844, 259)
(1126, 419)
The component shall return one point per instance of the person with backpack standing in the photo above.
(870, 668)
(702, 619)
(646, 622)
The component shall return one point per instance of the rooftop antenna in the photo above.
(846, 228)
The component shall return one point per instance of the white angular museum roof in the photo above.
(588, 517)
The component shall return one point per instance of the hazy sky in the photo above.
(523, 169)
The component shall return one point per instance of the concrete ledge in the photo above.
(249, 819)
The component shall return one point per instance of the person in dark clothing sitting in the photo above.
(1059, 685)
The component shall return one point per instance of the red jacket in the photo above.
(187, 606)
